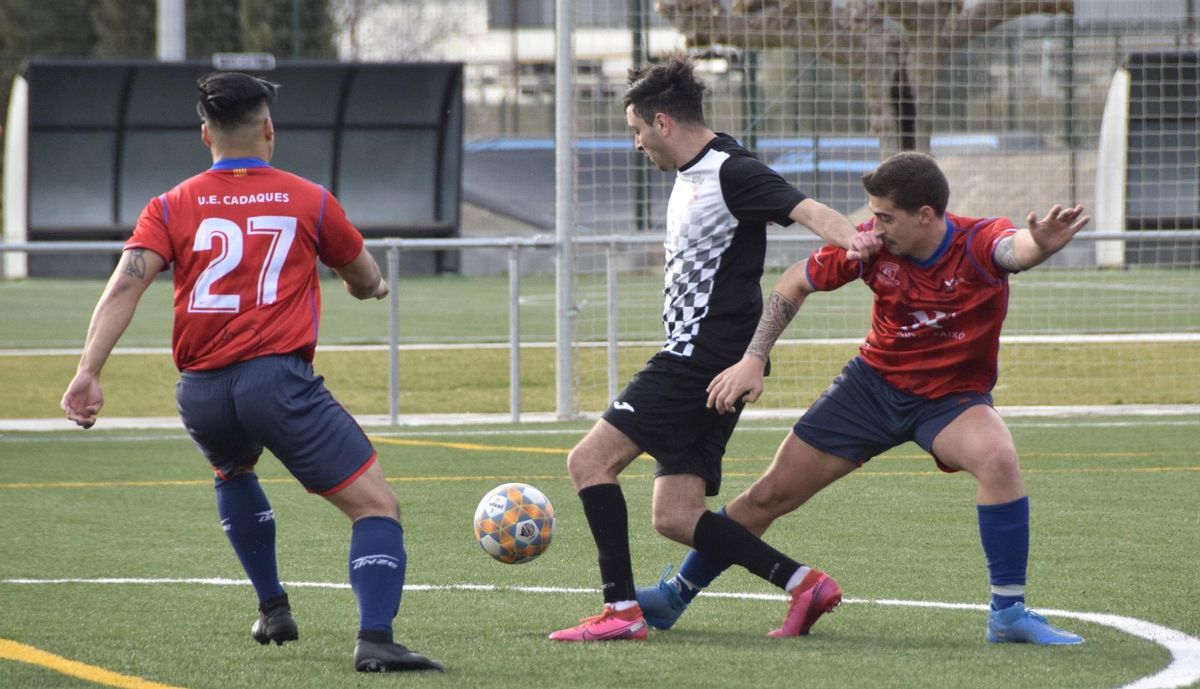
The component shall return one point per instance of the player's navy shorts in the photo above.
(275, 402)
(860, 415)
(662, 410)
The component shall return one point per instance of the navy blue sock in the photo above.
(698, 570)
(1004, 531)
(377, 566)
(249, 523)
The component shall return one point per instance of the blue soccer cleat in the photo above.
(662, 604)
(1020, 626)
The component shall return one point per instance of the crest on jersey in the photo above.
(887, 271)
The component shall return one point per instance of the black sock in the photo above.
(723, 540)
(604, 506)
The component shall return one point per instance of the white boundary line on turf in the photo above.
(409, 420)
(1063, 338)
(574, 433)
(1183, 670)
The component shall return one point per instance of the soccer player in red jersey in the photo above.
(244, 239)
(924, 373)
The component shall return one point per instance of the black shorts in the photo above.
(662, 410)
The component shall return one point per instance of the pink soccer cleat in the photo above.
(815, 596)
(609, 625)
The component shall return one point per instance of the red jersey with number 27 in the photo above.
(244, 239)
(935, 324)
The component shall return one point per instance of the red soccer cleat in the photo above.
(815, 596)
(609, 625)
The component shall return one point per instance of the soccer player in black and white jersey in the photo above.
(715, 247)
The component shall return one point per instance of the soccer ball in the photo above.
(514, 523)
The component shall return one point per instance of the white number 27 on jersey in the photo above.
(280, 228)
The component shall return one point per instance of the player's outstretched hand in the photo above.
(742, 382)
(1054, 231)
(83, 399)
(863, 246)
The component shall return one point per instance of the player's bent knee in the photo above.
(1001, 460)
(761, 504)
(586, 468)
(368, 496)
(674, 528)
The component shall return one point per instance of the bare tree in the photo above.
(350, 15)
(395, 29)
(892, 48)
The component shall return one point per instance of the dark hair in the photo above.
(229, 99)
(670, 87)
(909, 180)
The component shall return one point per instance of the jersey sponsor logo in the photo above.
(623, 406)
(950, 284)
(924, 320)
(932, 324)
(373, 560)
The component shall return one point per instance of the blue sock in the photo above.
(249, 523)
(697, 571)
(377, 565)
(1004, 531)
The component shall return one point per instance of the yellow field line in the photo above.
(867, 473)
(479, 447)
(483, 448)
(11, 650)
(1080, 470)
(129, 484)
(469, 446)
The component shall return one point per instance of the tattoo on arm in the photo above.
(778, 312)
(136, 266)
(1006, 255)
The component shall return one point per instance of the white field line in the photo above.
(1183, 670)
(375, 421)
(1067, 338)
(572, 434)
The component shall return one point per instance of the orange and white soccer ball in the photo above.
(514, 523)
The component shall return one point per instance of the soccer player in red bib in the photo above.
(244, 239)
(924, 373)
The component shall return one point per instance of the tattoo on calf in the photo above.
(778, 312)
(136, 266)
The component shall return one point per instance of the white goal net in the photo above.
(1024, 104)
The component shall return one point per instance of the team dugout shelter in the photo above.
(88, 143)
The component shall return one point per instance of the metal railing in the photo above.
(392, 248)
(515, 246)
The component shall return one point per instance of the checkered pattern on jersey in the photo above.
(700, 228)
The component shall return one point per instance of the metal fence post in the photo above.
(393, 278)
(610, 276)
(514, 332)
(564, 206)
